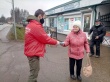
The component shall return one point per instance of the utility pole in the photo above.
(14, 24)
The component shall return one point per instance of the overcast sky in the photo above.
(30, 5)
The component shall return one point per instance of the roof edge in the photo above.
(62, 5)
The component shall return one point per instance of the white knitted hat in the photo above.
(77, 23)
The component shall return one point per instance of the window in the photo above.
(66, 24)
(87, 22)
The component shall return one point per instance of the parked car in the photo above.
(25, 23)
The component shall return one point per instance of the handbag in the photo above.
(87, 70)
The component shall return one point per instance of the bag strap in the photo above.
(88, 60)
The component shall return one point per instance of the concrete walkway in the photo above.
(54, 67)
(4, 29)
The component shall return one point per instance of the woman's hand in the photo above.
(88, 54)
(62, 43)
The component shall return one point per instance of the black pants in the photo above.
(78, 66)
(97, 43)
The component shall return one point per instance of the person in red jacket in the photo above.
(35, 42)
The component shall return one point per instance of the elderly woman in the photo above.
(77, 43)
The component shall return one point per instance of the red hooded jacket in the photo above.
(36, 39)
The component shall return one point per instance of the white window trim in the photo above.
(90, 20)
(90, 23)
(73, 13)
(65, 32)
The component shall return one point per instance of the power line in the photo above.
(5, 4)
(4, 7)
(8, 1)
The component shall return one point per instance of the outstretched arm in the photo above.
(90, 30)
(67, 41)
(86, 45)
(42, 36)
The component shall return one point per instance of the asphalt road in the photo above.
(54, 67)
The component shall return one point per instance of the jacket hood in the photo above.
(31, 17)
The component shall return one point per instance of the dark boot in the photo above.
(97, 56)
(73, 77)
(79, 78)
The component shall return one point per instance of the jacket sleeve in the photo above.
(91, 30)
(67, 40)
(86, 45)
(40, 35)
(103, 32)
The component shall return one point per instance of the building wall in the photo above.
(71, 16)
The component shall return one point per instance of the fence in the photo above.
(52, 31)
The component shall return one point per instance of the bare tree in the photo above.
(20, 14)
(3, 19)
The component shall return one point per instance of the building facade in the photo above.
(87, 11)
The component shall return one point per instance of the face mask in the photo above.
(97, 24)
(42, 21)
